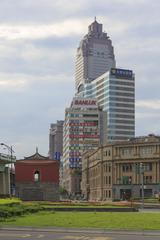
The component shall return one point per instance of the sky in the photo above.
(38, 41)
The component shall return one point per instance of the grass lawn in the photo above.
(139, 221)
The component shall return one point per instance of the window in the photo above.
(109, 179)
(37, 176)
(146, 150)
(127, 168)
(109, 193)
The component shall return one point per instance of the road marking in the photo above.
(15, 235)
(85, 238)
(40, 236)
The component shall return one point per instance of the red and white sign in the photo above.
(85, 102)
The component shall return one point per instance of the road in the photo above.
(32, 234)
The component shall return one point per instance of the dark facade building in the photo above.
(56, 140)
(37, 178)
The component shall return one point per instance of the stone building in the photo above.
(120, 170)
(37, 178)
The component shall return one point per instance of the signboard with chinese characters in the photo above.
(122, 73)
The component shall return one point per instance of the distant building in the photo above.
(6, 174)
(95, 56)
(37, 178)
(115, 94)
(56, 140)
(116, 170)
(81, 132)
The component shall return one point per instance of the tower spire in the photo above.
(36, 149)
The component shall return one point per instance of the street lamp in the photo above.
(10, 149)
(142, 182)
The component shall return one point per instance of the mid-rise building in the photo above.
(121, 170)
(80, 133)
(56, 140)
(115, 94)
(95, 55)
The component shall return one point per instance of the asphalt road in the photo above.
(32, 234)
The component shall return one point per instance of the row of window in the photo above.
(142, 151)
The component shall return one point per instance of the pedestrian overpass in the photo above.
(5, 181)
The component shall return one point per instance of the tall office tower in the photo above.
(95, 55)
(80, 133)
(56, 140)
(115, 93)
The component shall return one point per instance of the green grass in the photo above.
(6, 201)
(139, 221)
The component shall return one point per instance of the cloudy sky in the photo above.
(38, 41)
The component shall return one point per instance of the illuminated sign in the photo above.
(122, 73)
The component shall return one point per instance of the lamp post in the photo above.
(142, 182)
(10, 149)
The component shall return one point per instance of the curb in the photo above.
(84, 230)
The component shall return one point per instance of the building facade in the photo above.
(120, 170)
(56, 140)
(37, 178)
(95, 55)
(80, 133)
(115, 94)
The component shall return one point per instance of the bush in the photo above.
(7, 211)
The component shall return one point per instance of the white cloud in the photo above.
(149, 104)
(35, 31)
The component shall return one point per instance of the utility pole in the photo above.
(142, 183)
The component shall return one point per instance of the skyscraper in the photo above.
(115, 94)
(56, 140)
(95, 55)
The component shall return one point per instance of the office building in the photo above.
(80, 133)
(115, 94)
(95, 55)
